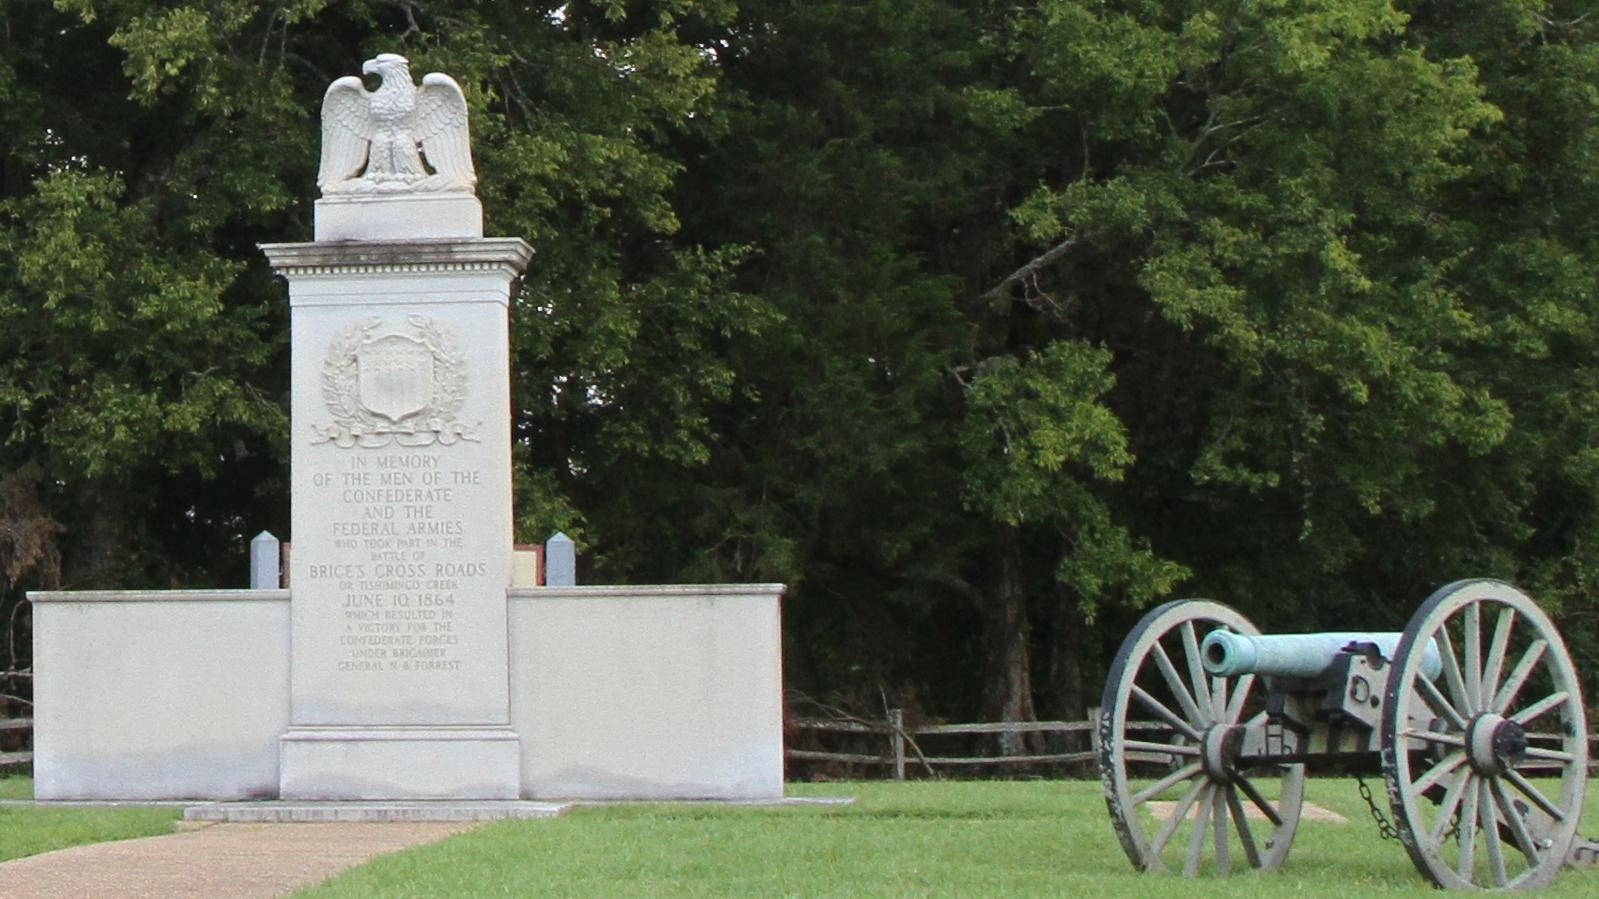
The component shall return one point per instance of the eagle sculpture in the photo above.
(370, 138)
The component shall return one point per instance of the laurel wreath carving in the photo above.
(449, 366)
(356, 425)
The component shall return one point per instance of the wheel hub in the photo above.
(1494, 744)
(1219, 752)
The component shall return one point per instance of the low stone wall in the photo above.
(656, 692)
(169, 694)
(648, 692)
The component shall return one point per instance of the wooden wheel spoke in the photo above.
(1452, 678)
(1432, 736)
(1471, 637)
(1235, 705)
(1446, 808)
(1526, 788)
(1218, 693)
(1518, 675)
(1468, 831)
(1552, 755)
(1174, 682)
(1177, 816)
(1165, 783)
(1260, 801)
(1494, 664)
(1196, 842)
(1241, 821)
(1440, 703)
(1538, 709)
(1166, 714)
(1196, 671)
(1438, 772)
(1224, 862)
(1490, 834)
(1162, 748)
(1513, 820)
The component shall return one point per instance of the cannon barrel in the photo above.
(1227, 654)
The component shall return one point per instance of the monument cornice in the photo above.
(384, 257)
(649, 591)
(197, 596)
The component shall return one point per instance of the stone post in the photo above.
(264, 562)
(560, 561)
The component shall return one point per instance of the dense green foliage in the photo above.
(981, 325)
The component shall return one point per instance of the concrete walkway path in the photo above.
(237, 861)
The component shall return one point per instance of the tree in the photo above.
(980, 325)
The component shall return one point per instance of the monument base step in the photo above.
(281, 812)
(341, 764)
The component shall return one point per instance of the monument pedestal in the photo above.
(400, 514)
(400, 763)
(397, 216)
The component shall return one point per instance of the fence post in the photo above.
(1093, 729)
(264, 565)
(896, 720)
(560, 561)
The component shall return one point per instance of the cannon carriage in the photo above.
(1473, 716)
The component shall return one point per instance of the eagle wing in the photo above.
(346, 131)
(439, 123)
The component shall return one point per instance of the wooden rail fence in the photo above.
(904, 746)
(12, 732)
(901, 738)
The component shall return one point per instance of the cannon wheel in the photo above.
(1157, 676)
(1471, 761)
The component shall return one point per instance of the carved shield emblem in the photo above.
(396, 376)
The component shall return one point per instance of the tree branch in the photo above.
(1038, 263)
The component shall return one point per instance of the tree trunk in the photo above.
(97, 551)
(1007, 666)
(1071, 640)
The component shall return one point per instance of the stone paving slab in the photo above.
(239, 861)
(291, 812)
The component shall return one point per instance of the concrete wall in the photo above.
(159, 695)
(648, 692)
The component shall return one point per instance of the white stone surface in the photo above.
(400, 481)
(370, 139)
(401, 519)
(399, 763)
(527, 567)
(398, 217)
(159, 695)
(308, 812)
(648, 692)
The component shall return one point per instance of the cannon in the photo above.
(1473, 716)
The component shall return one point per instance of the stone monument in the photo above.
(401, 662)
(401, 458)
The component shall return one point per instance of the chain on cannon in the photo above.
(1473, 715)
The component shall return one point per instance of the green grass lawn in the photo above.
(29, 831)
(913, 839)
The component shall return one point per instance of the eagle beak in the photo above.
(370, 67)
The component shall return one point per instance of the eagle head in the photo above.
(386, 65)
